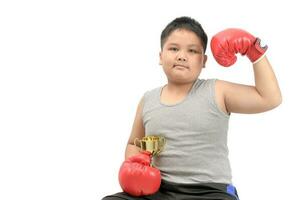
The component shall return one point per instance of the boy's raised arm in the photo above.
(238, 98)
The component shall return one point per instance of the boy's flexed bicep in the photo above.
(239, 98)
(137, 131)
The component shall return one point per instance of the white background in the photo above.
(72, 73)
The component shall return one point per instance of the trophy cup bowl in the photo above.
(151, 143)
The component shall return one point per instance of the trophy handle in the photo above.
(161, 145)
(164, 140)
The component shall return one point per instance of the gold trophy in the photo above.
(151, 143)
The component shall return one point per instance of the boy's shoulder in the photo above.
(152, 91)
(155, 89)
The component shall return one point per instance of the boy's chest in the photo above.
(197, 116)
(171, 99)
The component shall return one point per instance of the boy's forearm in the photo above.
(266, 83)
(131, 150)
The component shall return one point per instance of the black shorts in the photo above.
(174, 191)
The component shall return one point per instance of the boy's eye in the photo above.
(173, 49)
(193, 51)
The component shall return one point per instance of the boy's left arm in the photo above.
(238, 98)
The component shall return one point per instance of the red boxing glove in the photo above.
(225, 44)
(137, 177)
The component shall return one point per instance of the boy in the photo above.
(192, 114)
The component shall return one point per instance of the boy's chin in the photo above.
(182, 80)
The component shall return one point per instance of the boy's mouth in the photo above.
(180, 66)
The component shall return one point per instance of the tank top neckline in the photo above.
(180, 102)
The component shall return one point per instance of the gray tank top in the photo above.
(196, 135)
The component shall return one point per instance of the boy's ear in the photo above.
(160, 62)
(204, 61)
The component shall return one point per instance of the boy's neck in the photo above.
(177, 88)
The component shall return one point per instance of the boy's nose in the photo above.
(181, 56)
(181, 59)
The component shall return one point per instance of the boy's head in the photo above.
(183, 45)
(186, 23)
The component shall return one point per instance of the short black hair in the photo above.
(186, 23)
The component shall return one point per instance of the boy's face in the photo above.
(182, 56)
